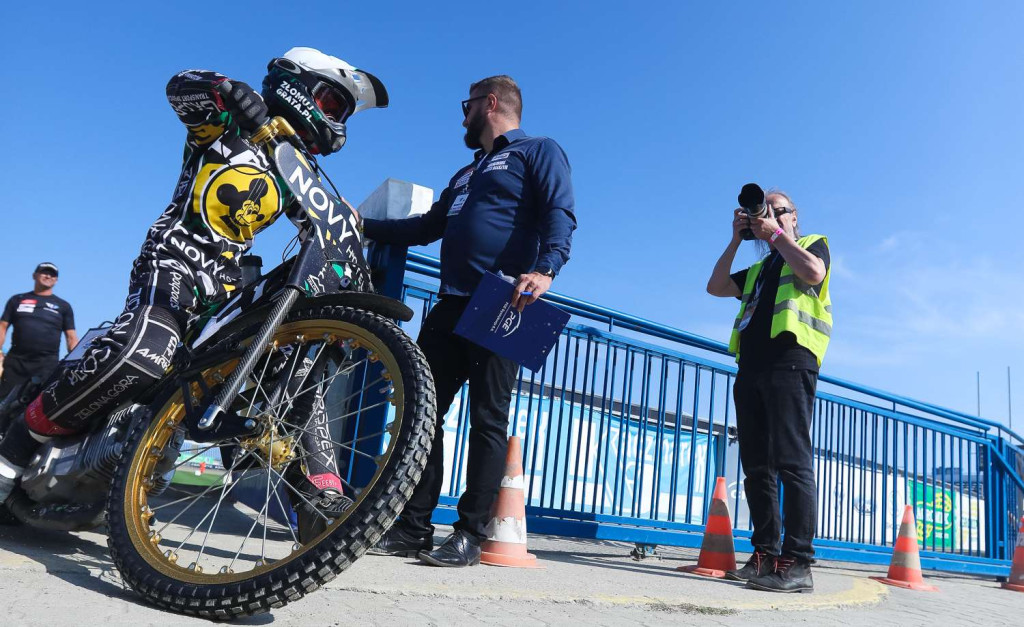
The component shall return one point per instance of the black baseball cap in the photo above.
(47, 268)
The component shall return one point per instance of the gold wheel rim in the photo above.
(138, 510)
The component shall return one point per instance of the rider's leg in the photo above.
(309, 413)
(129, 359)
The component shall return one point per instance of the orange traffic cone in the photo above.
(506, 533)
(717, 552)
(905, 568)
(1016, 580)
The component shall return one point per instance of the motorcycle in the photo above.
(305, 362)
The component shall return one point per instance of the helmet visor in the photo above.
(332, 102)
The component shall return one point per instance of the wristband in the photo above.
(775, 235)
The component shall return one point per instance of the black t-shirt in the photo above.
(758, 350)
(38, 322)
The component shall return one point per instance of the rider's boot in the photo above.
(317, 507)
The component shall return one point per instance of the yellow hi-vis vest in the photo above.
(799, 307)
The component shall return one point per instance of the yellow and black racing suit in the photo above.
(226, 194)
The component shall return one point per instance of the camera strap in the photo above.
(762, 276)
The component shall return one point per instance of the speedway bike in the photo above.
(307, 361)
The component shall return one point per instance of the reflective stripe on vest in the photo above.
(800, 308)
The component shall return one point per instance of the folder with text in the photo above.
(491, 321)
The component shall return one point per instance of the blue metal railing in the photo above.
(624, 431)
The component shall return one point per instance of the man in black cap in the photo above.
(38, 317)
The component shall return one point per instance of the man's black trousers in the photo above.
(18, 369)
(454, 360)
(773, 418)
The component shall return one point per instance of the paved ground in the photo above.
(57, 579)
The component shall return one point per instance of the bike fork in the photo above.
(249, 359)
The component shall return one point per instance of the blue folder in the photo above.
(491, 321)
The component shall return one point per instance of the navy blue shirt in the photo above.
(510, 210)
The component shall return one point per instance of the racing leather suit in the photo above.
(226, 193)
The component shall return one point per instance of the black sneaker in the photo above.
(459, 549)
(791, 575)
(399, 542)
(316, 512)
(758, 565)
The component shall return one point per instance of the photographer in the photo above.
(779, 339)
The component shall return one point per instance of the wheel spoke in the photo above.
(318, 379)
(323, 439)
(195, 499)
(203, 450)
(209, 528)
(275, 407)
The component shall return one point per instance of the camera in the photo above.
(752, 201)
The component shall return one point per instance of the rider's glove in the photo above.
(245, 106)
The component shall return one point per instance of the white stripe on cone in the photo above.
(508, 529)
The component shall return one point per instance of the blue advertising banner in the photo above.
(577, 458)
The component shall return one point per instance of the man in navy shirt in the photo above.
(510, 210)
(39, 317)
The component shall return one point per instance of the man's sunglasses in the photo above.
(781, 211)
(48, 273)
(465, 104)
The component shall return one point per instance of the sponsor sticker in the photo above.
(457, 204)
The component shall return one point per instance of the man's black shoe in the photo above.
(401, 543)
(791, 575)
(758, 565)
(459, 549)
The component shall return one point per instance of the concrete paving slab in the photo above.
(57, 579)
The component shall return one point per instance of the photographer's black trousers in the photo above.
(773, 418)
(454, 360)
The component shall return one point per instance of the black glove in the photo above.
(244, 105)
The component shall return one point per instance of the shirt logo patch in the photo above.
(52, 308)
(464, 179)
(27, 305)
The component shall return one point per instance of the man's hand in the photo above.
(245, 106)
(740, 221)
(535, 283)
(764, 228)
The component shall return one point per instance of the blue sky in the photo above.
(896, 127)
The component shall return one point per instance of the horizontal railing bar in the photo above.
(430, 266)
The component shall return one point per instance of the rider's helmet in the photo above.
(316, 93)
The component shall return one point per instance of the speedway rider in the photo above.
(225, 195)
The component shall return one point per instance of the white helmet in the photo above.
(317, 93)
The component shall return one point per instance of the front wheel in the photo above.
(336, 382)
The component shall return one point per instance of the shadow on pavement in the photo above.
(77, 560)
(82, 562)
(662, 567)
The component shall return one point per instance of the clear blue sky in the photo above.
(896, 127)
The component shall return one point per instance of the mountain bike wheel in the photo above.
(226, 549)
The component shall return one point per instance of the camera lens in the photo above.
(751, 198)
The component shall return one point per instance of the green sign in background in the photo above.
(936, 514)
